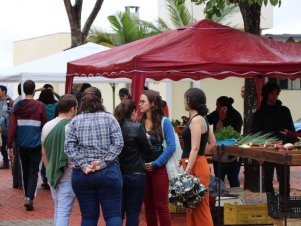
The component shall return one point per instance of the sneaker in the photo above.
(28, 204)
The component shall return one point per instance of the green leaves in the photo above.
(179, 14)
(226, 133)
(257, 138)
(216, 7)
(126, 29)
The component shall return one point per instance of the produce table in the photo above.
(267, 154)
(291, 157)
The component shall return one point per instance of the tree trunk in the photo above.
(78, 36)
(251, 17)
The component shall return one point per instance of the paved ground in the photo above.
(12, 212)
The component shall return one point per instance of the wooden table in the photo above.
(292, 157)
(261, 154)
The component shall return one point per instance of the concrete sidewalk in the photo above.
(12, 212)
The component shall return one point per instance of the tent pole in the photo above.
(138, 80)
(68, 86)
(259, 82)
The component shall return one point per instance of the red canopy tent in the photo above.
(200, 50)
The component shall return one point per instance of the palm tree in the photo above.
(126, 29)
(179, 14)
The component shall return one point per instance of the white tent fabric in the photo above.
(53, 68)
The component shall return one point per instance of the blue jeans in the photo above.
(63, 197)
(104, 187)
(132, 197)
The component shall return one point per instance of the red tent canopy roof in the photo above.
(203, 49)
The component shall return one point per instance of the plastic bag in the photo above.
(172, 166)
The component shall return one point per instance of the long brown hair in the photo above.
(91, 101)
(124, 110)
(156, 111)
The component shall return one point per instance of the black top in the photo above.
(233, 119)
(273, 119)
(157, 147)
(187, 140)
(135, 145)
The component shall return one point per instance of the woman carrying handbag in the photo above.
(198, 139)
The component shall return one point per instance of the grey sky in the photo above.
(20, 19)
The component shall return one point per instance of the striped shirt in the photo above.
(93, 137)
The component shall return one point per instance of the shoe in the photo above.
(28, 204)
(45, 186)
(4, 166)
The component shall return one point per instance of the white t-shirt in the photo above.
(48, 127)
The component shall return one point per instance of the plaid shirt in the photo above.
(93, 137)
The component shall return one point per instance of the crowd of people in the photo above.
(118, 161)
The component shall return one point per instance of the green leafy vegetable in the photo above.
(175, 122)
(257, 138)
(226, 133)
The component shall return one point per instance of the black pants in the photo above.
(30, 160)
(269, 168)
(16, 169)
(4, 150)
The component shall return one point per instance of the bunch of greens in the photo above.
(226, 133)
(257, 138)
(175, 122)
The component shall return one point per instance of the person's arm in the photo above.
(290, 126)
(211, 145)
(11, 130)
(71, 147)
(56, 95)
(116, 141)
(39, 89)
(170, 148)
(196, 129)
(44, 156)
(235, 120)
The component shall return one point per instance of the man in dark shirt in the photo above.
(273, 117)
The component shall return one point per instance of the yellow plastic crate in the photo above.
(176, 209)
(289, 222)
(246, 214)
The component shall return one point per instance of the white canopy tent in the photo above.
(53, 68)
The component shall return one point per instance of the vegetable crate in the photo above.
(276, 206)
(176, 209)
(246, 214)
(289, 222)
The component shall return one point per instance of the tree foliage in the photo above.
(126, 29)
(216, 7)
